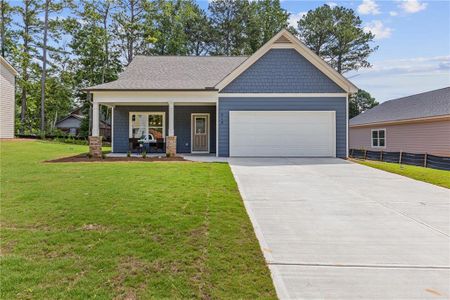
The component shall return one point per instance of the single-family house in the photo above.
(416, 124)
(71, 124)
(7, 99)
(283, 100)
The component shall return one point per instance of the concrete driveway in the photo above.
(332, 229)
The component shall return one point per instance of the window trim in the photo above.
(385, 138)
(146, 113)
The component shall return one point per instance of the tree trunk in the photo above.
(44, 68)
(105, 28)
(23, 96)
(3, 25)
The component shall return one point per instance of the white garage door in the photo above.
(282, 133)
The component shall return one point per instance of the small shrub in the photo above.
(144, 154)
(89, 155)
(128, 154)
(103, 155)
(168, 154)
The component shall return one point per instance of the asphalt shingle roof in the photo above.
(173, 73)
(428, 104)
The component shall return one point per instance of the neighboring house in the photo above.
(7, 98)
(416, 124)
(71, 124)
(281, 101)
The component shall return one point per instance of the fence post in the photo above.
(400, 159)
(425, 160)
(381, 155)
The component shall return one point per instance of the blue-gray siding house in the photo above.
(281, 101)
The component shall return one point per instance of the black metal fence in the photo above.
(422, 160)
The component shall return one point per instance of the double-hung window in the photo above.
(378, 138)
(147, 125)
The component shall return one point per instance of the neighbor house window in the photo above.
(147, 125)
(378, 138)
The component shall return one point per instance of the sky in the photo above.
(413, 38)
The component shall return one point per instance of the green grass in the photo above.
(123, 230)
(433, 176)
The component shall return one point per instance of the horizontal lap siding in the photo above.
(283, 104)
(121, 124)
(425, 137)
(183, 126)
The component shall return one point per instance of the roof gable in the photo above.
(282, 71)
(285, 40)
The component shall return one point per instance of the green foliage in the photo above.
(361, 102)
(336, 34)
(95, 40)
(433, 176)
(144, 154)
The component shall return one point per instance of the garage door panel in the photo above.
(282, 133)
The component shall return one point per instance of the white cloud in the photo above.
(332, 4)
(368, 7)
(295, 17)
(393, 13)
(402, 77)
(412, 6)
(378, 29)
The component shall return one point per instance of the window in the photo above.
(378, 138)
(147, 125)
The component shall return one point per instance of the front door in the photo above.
(200, 133)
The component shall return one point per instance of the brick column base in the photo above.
(95, 146)
(171, 145)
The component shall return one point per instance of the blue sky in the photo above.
(414, 44)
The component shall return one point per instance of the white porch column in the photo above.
(95, 119)
(171, 119)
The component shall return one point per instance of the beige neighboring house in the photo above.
(416, 124)
(7, 98)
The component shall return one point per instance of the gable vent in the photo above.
(282, 40)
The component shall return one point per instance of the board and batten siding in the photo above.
(7, 104)
(424, 137)
(282, 71)
(337, 104)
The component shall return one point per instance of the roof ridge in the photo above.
(194, 56)
(413, 95)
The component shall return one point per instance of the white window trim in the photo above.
(146, 113)
(385, 138)
(208, 126)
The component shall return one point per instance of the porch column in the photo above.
(95, 119)
(171, 119)
(95, 140)
(171, 140)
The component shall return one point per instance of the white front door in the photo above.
(283, 133)
(200, 133)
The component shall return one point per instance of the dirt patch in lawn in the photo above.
(85, 158)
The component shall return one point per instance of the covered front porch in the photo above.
(142, 122)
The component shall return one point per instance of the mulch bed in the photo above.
(85, 158)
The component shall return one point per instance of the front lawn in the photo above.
(123, 230)
(433, 176)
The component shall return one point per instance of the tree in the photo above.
(129, 27)
(360, 102)
(228, 19)
(6, 12)
(26, 48)
(316, 29)
(267, 18)
(44, 66)
(336, 35)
